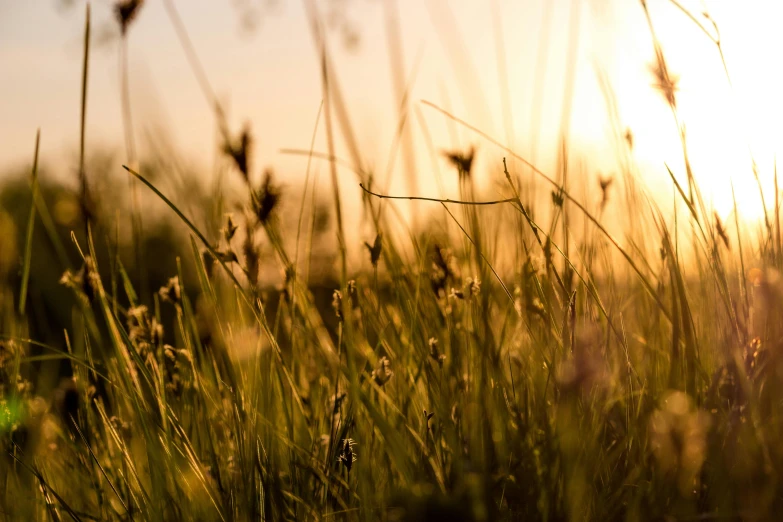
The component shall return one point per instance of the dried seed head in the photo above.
(336, 401)
(473, 285)
(353, 294)
(265, 199)
(126, 11)
(383, 372)
(605, 183)
(252, 258)
(456, 294)
(375, 249)
(463, 161)
(337, 304)
(85, 282)
(441, 272)
(9, 351)
(122, 428)
(230, 229)
(435, 354)
(665, 81)
(346, 455)
(172, 291)
(628, 138)
(227, 256)
(557, 198)
(721, 231)
(240, 152)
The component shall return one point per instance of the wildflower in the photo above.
(456, 294)
(435, 354)
(678, 439)
(126, 11)
(375, 249)
(172, 291)
(383, 372)
(462, 161)
(346, 455)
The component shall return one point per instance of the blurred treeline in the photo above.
(130, 265)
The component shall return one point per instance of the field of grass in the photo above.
(507, 364)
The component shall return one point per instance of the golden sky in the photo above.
(450, 52)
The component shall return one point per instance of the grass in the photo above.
(591, 378)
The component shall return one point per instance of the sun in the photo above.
(728, 101)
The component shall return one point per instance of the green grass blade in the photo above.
(28, 247)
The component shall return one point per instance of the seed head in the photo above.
(605, 183)
(629, 138)
(375, 249)
(721, 231)
(126, 11)
(463, 161)
(240, 152)
(85, 282)
(441, 271)
(473, 285)
(230, 229)
(336, 402)
(435, 354)
(665, 81)
(557, 198)
(172, 292)
(337, 304)
(265, 199)
(227, 256)
(346, 455)
(383, 372)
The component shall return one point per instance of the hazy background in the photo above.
(503, 66)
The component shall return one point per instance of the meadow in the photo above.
(175, 353)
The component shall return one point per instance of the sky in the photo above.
(512, 68)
